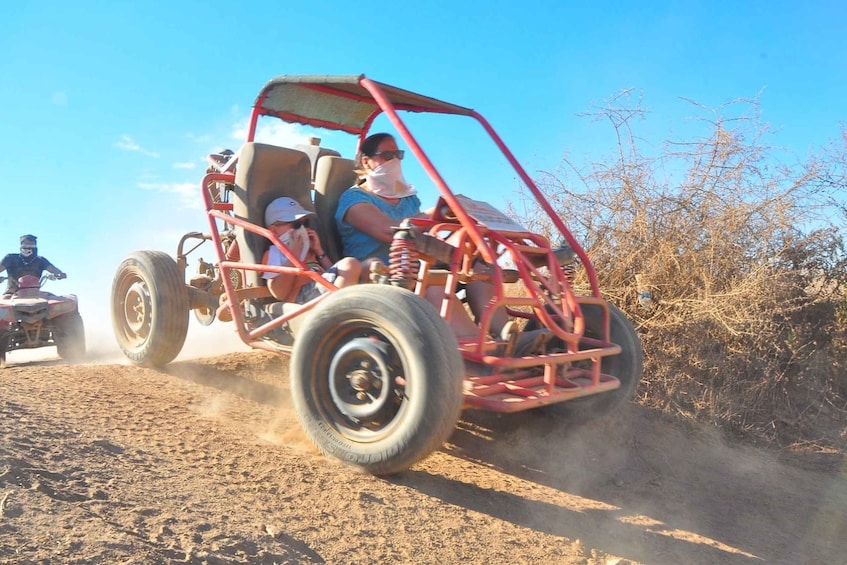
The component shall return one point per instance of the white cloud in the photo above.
(205, 138)
(186, 194)
(148, 175)
(159, 186)
(128, 144)
(274, 132)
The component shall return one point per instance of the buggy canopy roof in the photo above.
(341, 102)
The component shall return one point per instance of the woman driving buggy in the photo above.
(381, 198)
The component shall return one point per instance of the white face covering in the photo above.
(387, 181)
(297, 240)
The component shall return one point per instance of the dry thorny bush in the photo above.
(744, 256)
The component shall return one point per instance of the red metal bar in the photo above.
(297, 268)
(539, 197)
(436, 178)
(516, 383)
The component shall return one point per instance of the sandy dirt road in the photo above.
(204, 463)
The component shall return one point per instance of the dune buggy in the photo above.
(378, 379)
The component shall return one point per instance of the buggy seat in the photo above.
(333, 175)
(266, 172)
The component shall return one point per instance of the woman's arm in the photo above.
(369, 219)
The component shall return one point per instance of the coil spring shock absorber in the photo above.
(569, 271)
(568, 260)
(403, 261)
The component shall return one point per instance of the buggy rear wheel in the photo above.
(376, 378)
(150, 308)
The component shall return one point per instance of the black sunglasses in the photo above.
(389, 155)
(295, 224)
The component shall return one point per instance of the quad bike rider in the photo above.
(377, 377)
(31, 317)
(27, 262)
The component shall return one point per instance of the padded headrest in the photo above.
(315, 152)
(266, 172)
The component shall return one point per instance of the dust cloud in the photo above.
(101, 346)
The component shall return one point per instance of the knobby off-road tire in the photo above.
(627, 367)
(376, 378)
(70, 344)
(150, 308)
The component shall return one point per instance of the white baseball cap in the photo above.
(284, 209)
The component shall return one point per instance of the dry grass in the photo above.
(745, 259)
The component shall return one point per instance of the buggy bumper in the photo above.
(524, 383)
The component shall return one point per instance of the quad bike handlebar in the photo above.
(44, 277)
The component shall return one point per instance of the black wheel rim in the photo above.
(360, 384)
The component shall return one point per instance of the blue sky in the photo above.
(109, 109)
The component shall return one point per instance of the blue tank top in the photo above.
(359, 244)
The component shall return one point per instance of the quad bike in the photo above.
(32, 318)
(378, 379)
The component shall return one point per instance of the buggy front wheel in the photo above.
(376, 378)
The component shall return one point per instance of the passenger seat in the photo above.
(266, 172)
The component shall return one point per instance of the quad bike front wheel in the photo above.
(4, 346)
(376, 378)
(150, 308)
(70, 345)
